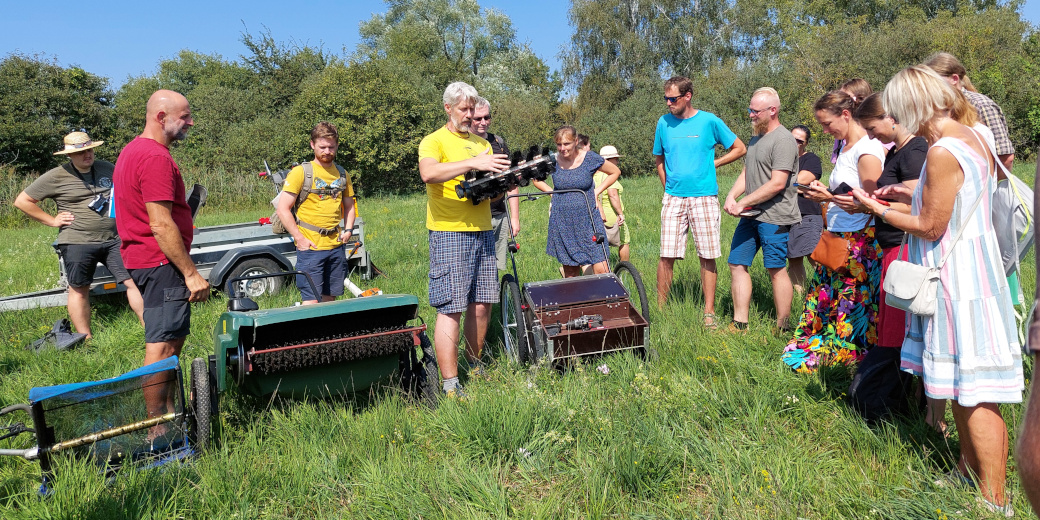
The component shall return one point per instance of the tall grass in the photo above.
(714, 427)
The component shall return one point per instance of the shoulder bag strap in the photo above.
(971, 212)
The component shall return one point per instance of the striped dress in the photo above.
(968, 350)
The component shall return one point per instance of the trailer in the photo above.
(220, 253)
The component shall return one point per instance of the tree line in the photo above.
(385, 95)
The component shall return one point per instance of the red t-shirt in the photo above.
(146, 172)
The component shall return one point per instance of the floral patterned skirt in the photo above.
(838, 323)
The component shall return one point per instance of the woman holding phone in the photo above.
(838, 323)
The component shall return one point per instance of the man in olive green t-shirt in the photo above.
(82, 190)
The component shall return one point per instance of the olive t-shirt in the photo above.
(776, 150)
(73, 191)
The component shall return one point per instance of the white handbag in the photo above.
(915, 288)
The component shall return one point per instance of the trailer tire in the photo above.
(629, 277)
(200, 403)
(255, 266)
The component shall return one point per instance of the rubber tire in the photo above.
(200, 402)
(429, 383)
(515, 344)
(639, 289)
(252, 266)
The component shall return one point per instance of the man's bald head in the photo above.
(168, 117)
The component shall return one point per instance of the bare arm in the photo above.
(777, 183)
(348, 218)
(869, 169)
(541, 185)
(943, 180)
(1027, 453)
(613, 172)
(432, 171)
(286, 200)
(659, 164)
(29, 206)
(736, 151)
(514, 211)
(731, 206)
(160, 219)
(805, 177)
(1007, 160)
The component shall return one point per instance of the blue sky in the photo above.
(120, 39)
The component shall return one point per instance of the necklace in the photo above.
(904, 141)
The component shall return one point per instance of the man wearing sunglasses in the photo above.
(481, 124)
(684, 150)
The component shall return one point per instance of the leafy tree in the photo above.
(40, 102)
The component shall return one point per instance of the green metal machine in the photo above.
(320, 350)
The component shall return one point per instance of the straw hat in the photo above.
(78, 142)
(609, 152)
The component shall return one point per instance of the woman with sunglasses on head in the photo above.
(968, 349)
(804, 235)
(879, 387)
(838, 323)
(571, 225)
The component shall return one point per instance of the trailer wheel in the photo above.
(430, 374)
(633, 283)
(200, 402)
(255, 266)
(514, 324)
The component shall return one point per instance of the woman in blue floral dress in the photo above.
(571, 226)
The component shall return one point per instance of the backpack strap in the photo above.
(305, 191)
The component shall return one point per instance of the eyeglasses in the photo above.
(485, 118)
(754, 112)
(799, 141)
(672, 99)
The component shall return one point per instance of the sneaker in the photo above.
(456, 394)
(954, 479)
(711, 321)
(477, 370)
(1005, 509)
(734, 328)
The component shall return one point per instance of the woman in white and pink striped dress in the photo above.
(968, 351)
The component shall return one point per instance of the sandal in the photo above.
(710, 321)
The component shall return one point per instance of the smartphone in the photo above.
(842, 189)
(801, 186)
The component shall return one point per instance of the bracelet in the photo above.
(883, 213)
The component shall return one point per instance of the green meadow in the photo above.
(715, 426)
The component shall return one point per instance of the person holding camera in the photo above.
(82, 190)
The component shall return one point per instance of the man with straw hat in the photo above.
(81, 188)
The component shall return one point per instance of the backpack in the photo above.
(278, 228)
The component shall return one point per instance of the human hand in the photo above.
(868, 202)
(63, 218)
(302, 244)
(620, 219)
(515, 225)
(495, 163)
(895, 192)
(847, 203)
(816, 192)
(198, 286)
(731, 207)
(344, 235)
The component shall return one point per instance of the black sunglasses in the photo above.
(485, 118)
(672, 99)
(799, 141)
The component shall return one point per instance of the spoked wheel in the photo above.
(200, 402)
(633, 283)
(514, 325)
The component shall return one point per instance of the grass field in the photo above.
(716, 427)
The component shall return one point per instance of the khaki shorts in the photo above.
(700, 216)
(617, 235)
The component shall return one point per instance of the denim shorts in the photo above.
(752, 235)
(462, 270)
(327, 268)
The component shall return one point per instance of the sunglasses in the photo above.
(754, 112)
(672, 99)
(485, 118)
(799, 141)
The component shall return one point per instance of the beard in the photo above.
(760, 127)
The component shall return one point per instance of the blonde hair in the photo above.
(858, 88)
(947, 65)
(774, 97)
(917, 95)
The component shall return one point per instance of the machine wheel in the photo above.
(200, 402)
(514, 324)
(255, 266)
(432, 376)
(633, 283)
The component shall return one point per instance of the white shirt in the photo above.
(846, 170)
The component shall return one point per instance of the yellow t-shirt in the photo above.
(445, 211)
(604, 198)
(324, 211)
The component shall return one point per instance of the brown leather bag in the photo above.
(832, 251)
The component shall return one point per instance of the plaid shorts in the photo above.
(462, 270)
(698, 215)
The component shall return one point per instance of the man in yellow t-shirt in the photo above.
(316, 227)
(463, 272)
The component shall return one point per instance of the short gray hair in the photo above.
(482, 102)
(458, 92)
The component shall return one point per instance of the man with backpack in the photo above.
(316, 196)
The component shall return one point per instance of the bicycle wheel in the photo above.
(514, 325)
(633, 283)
